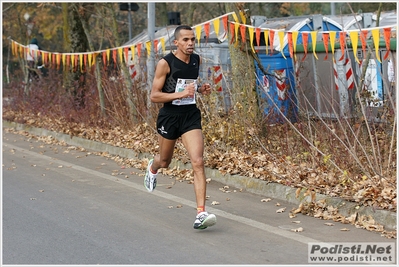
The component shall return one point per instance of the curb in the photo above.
(255, 186)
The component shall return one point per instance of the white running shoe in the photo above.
(204, 220)
(150, 179)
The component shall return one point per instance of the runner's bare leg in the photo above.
(193, 141)
(163, 159)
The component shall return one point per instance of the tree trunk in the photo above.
(74, 79)
(243, 71)
(125, 70)
(97, 72)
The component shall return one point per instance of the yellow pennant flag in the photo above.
(266, 36)
(314, 36)
(198, 33)
(21, 51)
(354, 35)
(281, 38)
(236, 26)
(148, 46)
(294, 39)
(120, 53)
(64, 60)
(235, 17)
(163, 44)
(72, 60)
(89, 58)
(216, 24)
(13, 48)
(17, 46)
(332, 41)
(94, 58)
(243, 18)
(251, 37)
(376, 38)
(132, 51)
(107, 52)
(81, 62)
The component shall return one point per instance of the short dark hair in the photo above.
(179, 28)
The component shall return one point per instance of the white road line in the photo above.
(262, 226)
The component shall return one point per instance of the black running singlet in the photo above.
(180, 69)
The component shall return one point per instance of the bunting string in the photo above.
(85, 60)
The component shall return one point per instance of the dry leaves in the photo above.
(378, 192)
(299, 229)
(281, 210)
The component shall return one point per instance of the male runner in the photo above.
(180, 116)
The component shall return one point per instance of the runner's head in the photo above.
(184, 39)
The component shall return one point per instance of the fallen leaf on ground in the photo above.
(266, 200)
(281, 210)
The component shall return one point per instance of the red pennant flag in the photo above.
(50, 60)
(156, 41)
(139, 49)
(206, 29)
(325, 37)
(105, 59)
(363, 37)
(114, 55)
(225, 21)
(290, 45)
(305, 38)
(271, 36)
(126, 50)
(232, 32)
(342, 44)
(257, 35)
(85, 60)
(58, 61)
(243, 32)
(53, 64)
(387, 38)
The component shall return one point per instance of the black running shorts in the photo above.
(174, 122)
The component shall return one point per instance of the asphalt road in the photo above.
(67, 206)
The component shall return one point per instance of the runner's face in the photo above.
(186, 41)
